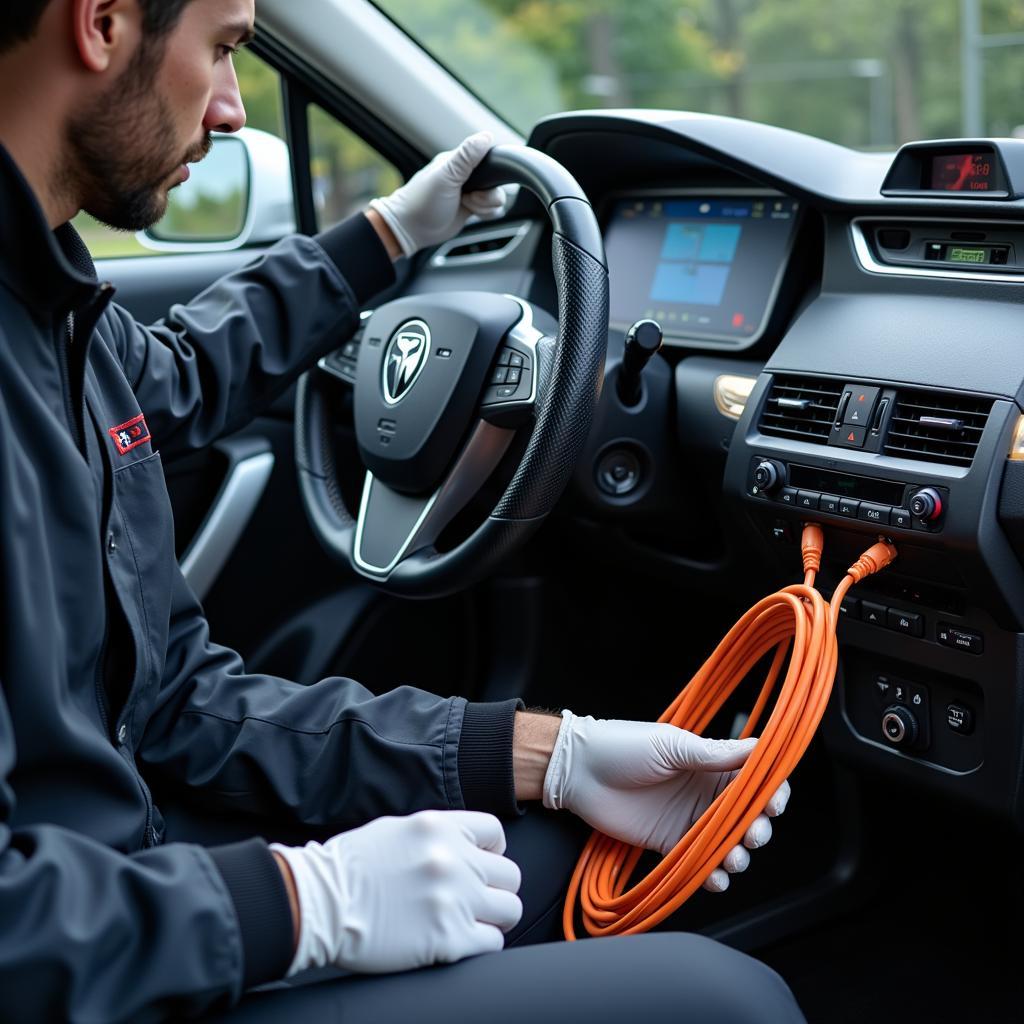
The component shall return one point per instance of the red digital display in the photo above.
(965, 172)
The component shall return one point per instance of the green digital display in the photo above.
(958, 254)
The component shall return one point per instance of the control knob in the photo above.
(767, 475)
(926, 505)
(899, 726)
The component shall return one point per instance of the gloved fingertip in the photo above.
(724, 754)
(736, 860)
(758, 834)
(717, 881)
(778, 802)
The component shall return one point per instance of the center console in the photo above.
(930, 649)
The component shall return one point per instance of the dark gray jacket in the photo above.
(107, 672)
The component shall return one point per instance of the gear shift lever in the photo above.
(643, 340)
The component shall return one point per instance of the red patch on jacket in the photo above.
(130, 435)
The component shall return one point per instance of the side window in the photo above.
(346, 173)
(260, 86)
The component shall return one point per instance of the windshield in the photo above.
(863, 73)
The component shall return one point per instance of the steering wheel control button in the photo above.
(500, 375)
(960, 719)
(619, 472)
(906, 622)
(961, 639)
(899, 726)
(514, 375)
(848, 507)
(901, 517)
(860, 406)
(807, 499)
(873, 614)
(516, 359)
(871, 513)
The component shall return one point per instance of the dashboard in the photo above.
(844, 344)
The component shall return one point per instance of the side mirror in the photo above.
(240, 195)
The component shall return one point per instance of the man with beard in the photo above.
(109, 678)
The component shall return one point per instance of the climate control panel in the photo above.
(883, 503)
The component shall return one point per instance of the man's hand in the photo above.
(646, 783)
(430, 207)
(400, 893)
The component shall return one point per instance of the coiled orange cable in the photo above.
(796, 613)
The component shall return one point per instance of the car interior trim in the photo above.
(867, 260)
(731, 393)
(513, 233)
(250, 465)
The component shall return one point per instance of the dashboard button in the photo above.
(861, 406)
(902, 518)
(962, 639)
(852, 437)
(848, 507)
(829, 503)
(872, 613)
(850, 608)
(807, 499)
(959, 718)
(874, 513)
(788, 496)
(906, 622)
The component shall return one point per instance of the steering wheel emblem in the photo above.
(404, 359)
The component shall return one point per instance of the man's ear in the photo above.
(106, 32)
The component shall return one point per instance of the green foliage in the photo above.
(870, 73)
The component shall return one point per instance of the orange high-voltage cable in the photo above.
(798, 613)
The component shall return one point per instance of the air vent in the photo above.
(803, 408)
(936, 426)
(480, 247)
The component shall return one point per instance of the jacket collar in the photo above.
(34, 261)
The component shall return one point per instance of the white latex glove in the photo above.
(400, 893)
(646, 783)
(430, 207)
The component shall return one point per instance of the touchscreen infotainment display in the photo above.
(704, 268)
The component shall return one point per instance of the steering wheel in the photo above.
(438, 402)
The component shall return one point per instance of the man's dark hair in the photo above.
(19, 19)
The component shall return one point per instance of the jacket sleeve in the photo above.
(330, 754)
(93, 934)
(214, 363)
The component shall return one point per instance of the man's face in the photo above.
(132, 144)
